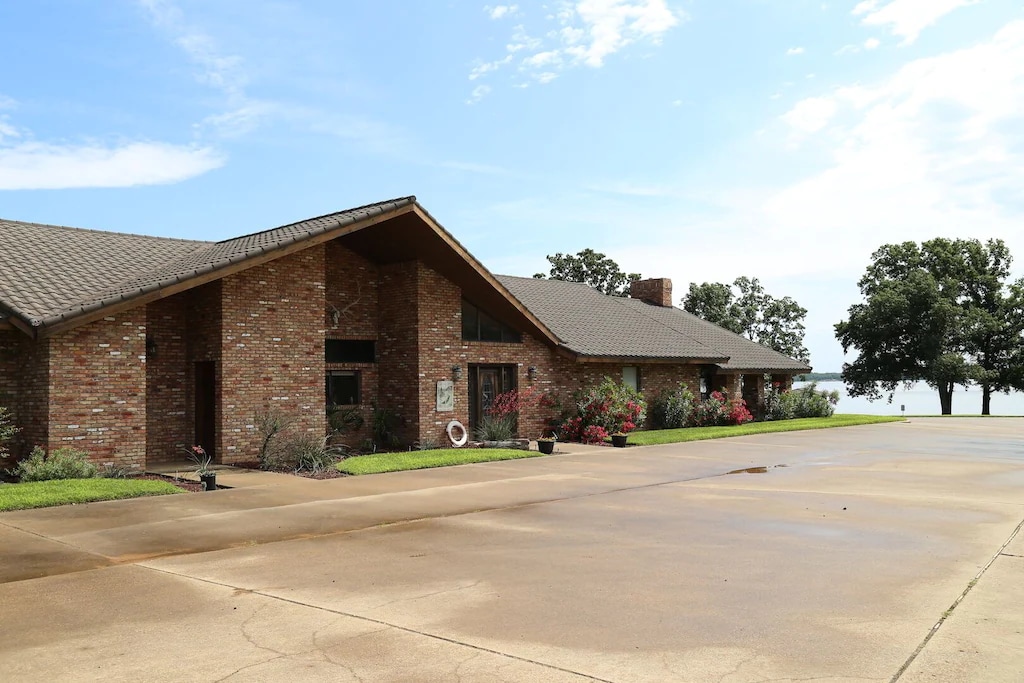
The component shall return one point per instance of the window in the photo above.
(478, 326)
(342, 387)
(631, 377)
(350, 351)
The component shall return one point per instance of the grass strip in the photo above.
(41, 494)
(663, 436)
(418, 460)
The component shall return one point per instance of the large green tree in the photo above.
(745, 308)
(592, 268)
(939, 312)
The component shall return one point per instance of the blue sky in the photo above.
(696, 139)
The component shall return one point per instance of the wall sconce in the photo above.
(335, 315)
(531, 372)
(456, 372)
(150, 348)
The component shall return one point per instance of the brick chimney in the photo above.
(657, 292)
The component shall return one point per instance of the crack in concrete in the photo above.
(381, 622)
(414, 598)
(949, 611)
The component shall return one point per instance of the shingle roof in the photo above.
(51, 273)
(43, 268)
(593, 324)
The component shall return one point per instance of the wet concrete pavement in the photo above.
(827, 555)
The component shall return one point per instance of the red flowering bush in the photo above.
(738, 413)
(593, 434)
(719, 409)
(610, 406)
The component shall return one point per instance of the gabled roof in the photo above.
(592, 324)
(595, 325)
(50, 274)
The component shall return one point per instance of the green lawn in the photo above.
(41, 494)
(418, 460)
(662, 436)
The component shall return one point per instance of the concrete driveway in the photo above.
(872, 553)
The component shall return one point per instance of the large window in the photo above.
(342, 387)
(350, 351)
(478, 326)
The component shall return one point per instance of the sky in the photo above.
(699, 140)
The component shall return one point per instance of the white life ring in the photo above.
(456, 426)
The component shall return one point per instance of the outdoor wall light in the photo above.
(531, 372)
(456, 372)
(150, 347)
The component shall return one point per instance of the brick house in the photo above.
(133, 347)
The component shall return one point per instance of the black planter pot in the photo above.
(209, 481)
(619, 441)
(546, 447)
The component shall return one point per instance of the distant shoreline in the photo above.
(819, 377)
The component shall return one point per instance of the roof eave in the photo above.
(91, 312)
(641, 360)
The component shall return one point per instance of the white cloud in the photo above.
(795, 51)
(872, 43)
(479, 92)
(907, 18)
(35, 166)
(811, 115)
(935, 149)
(501, 11)
(610, 25)
(542, 59)
(587, 32)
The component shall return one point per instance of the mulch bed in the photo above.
(329, 473)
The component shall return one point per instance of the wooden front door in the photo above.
(486, 382)
(206, 406)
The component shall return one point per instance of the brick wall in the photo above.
(24, 390)
(272, 350)
(352, 285)
(168, 427)
(398, 344)
(97, 389)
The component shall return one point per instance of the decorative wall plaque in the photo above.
(445, 396)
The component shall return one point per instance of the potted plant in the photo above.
(546, 445)
(203, 461)
(619, 439)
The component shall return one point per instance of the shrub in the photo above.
(344, 419)
(63, 463)
(809, 402)
(671, 409)
(7, 431)
(493, 428)
(384, 426)
(111, 471)
(593, 434)
(719, 410)
(612, 406)
(307, 453)
(775, 408)
(270, 424)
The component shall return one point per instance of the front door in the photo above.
(206, 406)
(485, 383)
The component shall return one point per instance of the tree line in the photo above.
(944, 312)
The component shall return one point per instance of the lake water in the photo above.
(923, 400)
